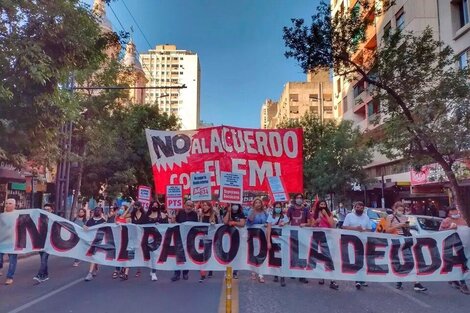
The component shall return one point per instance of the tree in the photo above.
(424, 98)
(41, 43)
(334, 155)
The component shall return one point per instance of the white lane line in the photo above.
(406, 295)
(42, 298)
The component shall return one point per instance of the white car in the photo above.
(423, 224)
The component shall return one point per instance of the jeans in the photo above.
(178, 273)
(43, 272)
(12, 259)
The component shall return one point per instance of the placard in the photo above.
(277, 188)
(231, 187)
(174, 197)
(201, 187)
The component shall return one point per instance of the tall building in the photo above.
(450, 22)
(268, 112)
(166, 66)
(298, 98)
(135, 76)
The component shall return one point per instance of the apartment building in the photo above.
(268, 112)
(449, 19)
(298, 98)
(167, 66)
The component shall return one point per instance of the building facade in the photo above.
(449, 21)
(166, 66)
(299, 98)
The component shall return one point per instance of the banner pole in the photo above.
(228, 290)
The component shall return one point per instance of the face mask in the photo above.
(399, 214)
(235, 208)
(455, 216)
(299, 201)
(120, 211)
(359, 212)
(278, 210)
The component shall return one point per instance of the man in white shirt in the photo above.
(10, 205)
(357, 221)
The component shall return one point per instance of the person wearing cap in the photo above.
(186, 215)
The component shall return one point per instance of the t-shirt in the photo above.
(79, 221)
(182, 216)
(236, 217)
(92, 222)
(352, 220)
(297, 215)
(141, 220)
(277, 220)
(394, 220)
(161, 218)
(259, 218)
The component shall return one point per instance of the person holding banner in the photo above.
(322, 217)
(96, 219)
(235, 218)
(358, 221)
(208, 215)
(156, 215)
(299, 215)
(257, 216)
(10, 205)
(186, 215)
(43, 273)
(397, 224)
(278, 219)
(80, 220)
(453, 221)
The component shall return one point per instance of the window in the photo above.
(338, 85)
(328, 109)
(400, 19)
(463, 59)
(313, 97)
(314, 109)
(373, 108)
(294, 110)
(359, 88)
(327, 97)
(294, 97)
(181, 73)
(345, 104)
(387, 29)
(463, 12)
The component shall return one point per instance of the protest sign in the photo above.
(174, 197)
(201, 187)
(277, 189)
(231, 187)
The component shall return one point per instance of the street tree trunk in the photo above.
(457, 191)
(78, 184)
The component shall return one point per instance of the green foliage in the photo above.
(41, 43)
(334, 155)
(424, 98)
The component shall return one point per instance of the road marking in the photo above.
(42, 298)
(235, 305)
(406, 295)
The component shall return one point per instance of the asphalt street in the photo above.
(67, 292)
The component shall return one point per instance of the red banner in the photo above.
(255, 153)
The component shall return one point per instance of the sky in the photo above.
(239, 44)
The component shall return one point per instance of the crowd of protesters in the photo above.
(295, 213)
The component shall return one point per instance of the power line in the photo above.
(136, 24)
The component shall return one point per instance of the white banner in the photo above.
(296, 252)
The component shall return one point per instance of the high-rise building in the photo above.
(268, 112)
(134, 76)
(166, 66)
(298, 98)
(450, 23)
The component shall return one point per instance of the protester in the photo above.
(398, 224)
(257, 216)
(80, 220)
(10, 205)
(276, 218)
(96, 219)
(156, 215)
(210, 216)
(186, 215)
(322, 217)
(357, 221)
(122, 216)
(453, 221)
(408, 210)
(43, 273)
(112, 214)
(235, 218)
(341, 213)
(298, 215)
(138, 217)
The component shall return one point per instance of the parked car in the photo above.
(423, 224)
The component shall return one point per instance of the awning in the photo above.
(10, 175)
